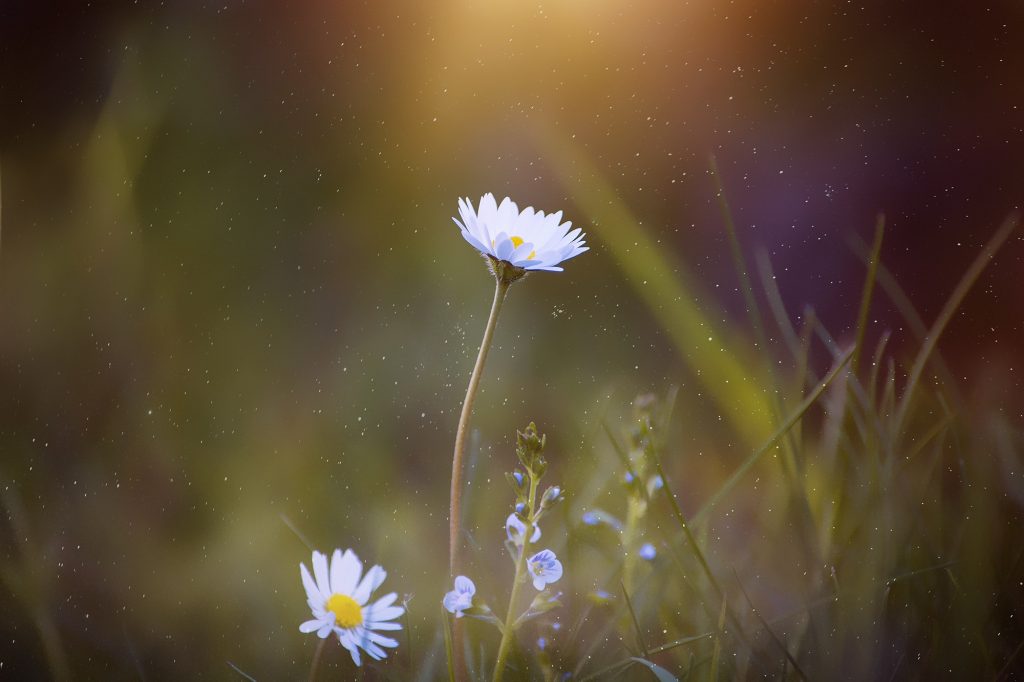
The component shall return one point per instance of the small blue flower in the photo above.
(461, 598)
(598, 516)
(648, 552)
(656, 483)
(516, 529)
(545, 568)
(518, 475)
(520, 507)
(551, 495)
(542, 643)
(628, 478)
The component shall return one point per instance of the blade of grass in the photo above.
(775, 304)
(636, 623)
(910, 574)
(869, 286)
(739, 262)
(717, 649)
(1006, 666)
(603, 672)
(888, 404)
(768, 629)
(887, 281)
(876, 363)
(240, 671)
(449, 650)
(299, 534)
(660, 673)
(788, 460)
(803, 377)
(623, 457)
(729, 375)
(793, 418)
(956, 298)
(685, 527)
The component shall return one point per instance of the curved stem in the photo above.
(455, 507)
(455, 504)
(506, 634)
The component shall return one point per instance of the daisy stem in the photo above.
(507, 634)
(455, 504)
(455, 507)
(321, 645)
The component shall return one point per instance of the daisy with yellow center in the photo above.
(527, 239)
(339, 600)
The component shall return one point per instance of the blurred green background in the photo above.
(235, 315)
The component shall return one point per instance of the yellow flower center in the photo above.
(347, 612)
(517, 241)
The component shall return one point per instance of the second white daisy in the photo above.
(340, 604)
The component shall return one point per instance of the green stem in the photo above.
(455, 508)
(507, 634)
(455, 504)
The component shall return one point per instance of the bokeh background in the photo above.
(237, 321)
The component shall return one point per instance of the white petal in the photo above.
(386, 600)
(375, 651)
(320, 571)
(346, 641)
(349, 568)
(386, 613)
(503, 246)
(506, 213)
(520, 254)
(311, 625)
(313, 593)
(381, 640)
(374, 577)
(464, 584)
(473, 241)
(336, 571)
(487, 212)
(383, 625)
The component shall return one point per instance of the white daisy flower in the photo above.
(339, 601)
(527, 239)
(461, 598)
(516, 529)
(545, 568)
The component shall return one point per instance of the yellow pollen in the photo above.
(517, 241)
(347, 613)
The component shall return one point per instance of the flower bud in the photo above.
(551, 495)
